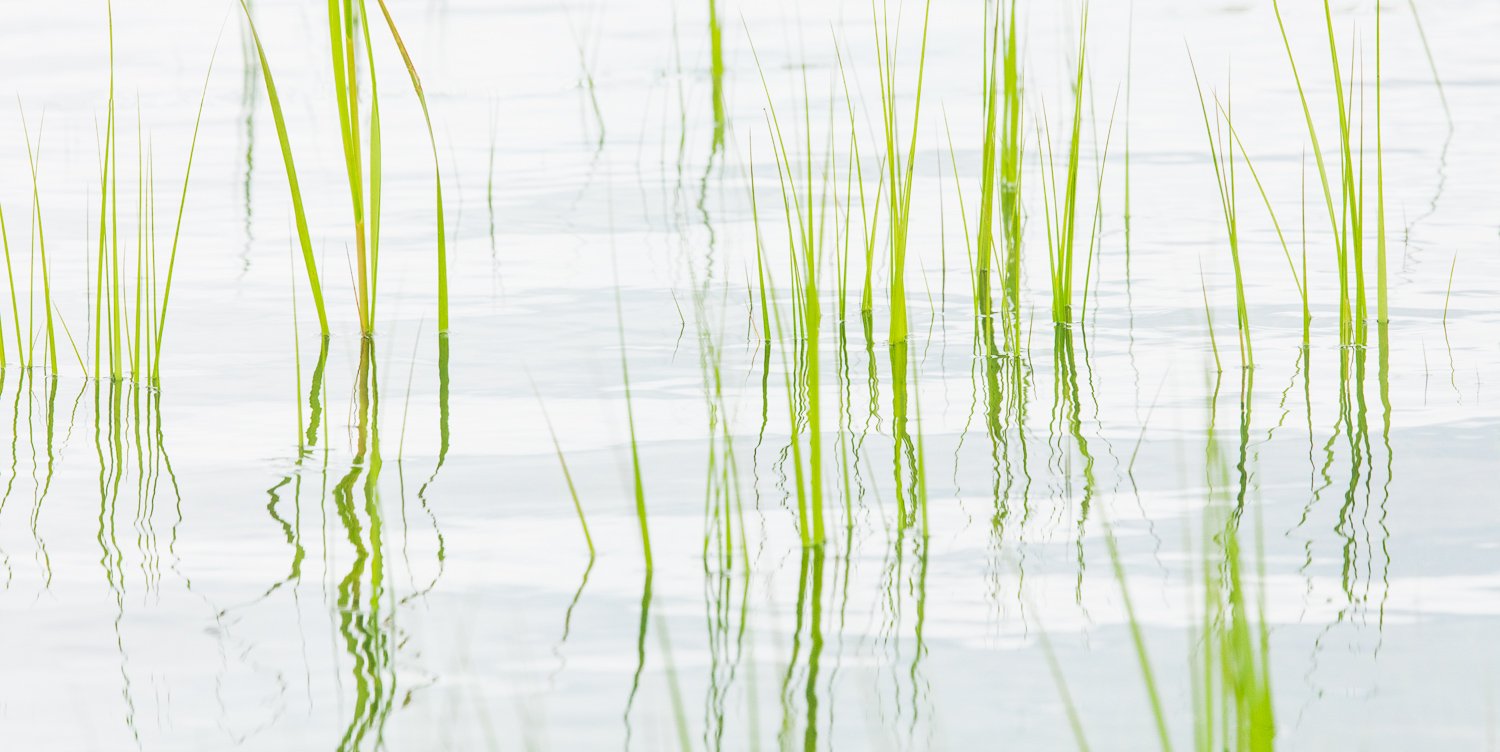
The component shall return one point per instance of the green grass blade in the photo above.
(437, 171)
(161, 315)
(299, 213)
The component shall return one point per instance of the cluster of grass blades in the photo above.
(899, 169)
(812, 201)
(38, 243)
(1000, 161)
(25, 350)
(996, 248)
(343, 21)
(808, 176)
(1221, 154)
(804, 206)
(132, 286)
(804, 213)
(1299, 276)
(1231, 679)
(1346, 205)
(348, 26)
(1232, 690)
(1012, 153)
(1348, 217)
(1230, 674)
(1060, 203)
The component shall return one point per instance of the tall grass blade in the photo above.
(437, 171)
(161, 313)
(299, 213)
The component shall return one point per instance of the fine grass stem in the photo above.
(33, 158)
(161, 313)
(637, 485)
(562, 461)
(1300, 281)
(304, 238)
(15, 311)
(1222, 157)
(437, 172)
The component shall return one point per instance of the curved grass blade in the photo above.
(166, 295)
(437, 171)
(299, 213)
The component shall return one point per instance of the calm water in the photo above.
(373, 546)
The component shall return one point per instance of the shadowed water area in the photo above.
(735, 421)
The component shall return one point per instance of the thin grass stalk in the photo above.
(93, 302)
(1138, 639)
(10, 278)
(1096, 224)
(376, 172)
(113, 198)
(1208, 316)
(1235, 659)
(33, 158)
(187, 174)
(1448, 292)
(116, 318)
(99, 266)
(1340, 244)
(1129, 81)
(842, 232)
(866, 301)
(1431, 61)
(1299, 280)
(562, 461)
(1223, 165)
(140, 245)
(770, 314)
(437, 171)
(804, 233)
(1302, 224)
(1382, 301)
(151, 297)
(637, 484)
(304, 239)
(963, 212)
(761, 273)
(1047, 171)
(919, 468)
(1060, 680)
(794, 441)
